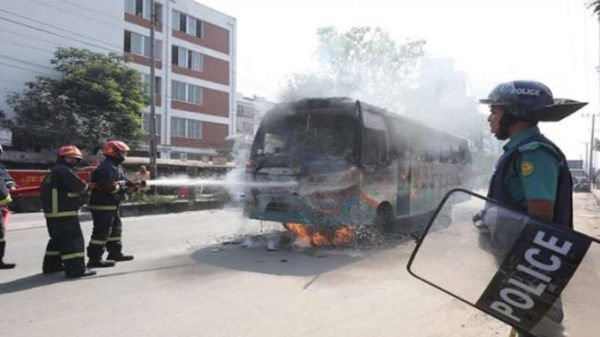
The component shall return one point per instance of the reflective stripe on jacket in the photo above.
(61, 192)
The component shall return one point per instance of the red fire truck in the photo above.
(27, 195)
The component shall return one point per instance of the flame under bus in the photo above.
(354, 164)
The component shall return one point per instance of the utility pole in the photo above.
(152, 93)
(591, 162)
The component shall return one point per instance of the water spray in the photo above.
(179, 182)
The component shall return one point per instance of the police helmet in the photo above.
(531, 101)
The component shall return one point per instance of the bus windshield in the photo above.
(306, 140)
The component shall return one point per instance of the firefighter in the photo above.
(7, 183)
(61, 196)
(532, 174)
(109, 185)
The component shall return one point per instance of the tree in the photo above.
(96, 97)
(364, 63)
(595, 6)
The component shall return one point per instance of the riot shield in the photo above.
(540, 278)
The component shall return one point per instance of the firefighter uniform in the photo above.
(6, 183)
(109, 185)
(61, 196)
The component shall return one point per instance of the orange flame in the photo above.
(343, 235)
(304, 238)
(300, 231)
(319, 239)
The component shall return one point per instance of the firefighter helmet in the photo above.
(531, 101)
(70, 151)
(115, 148)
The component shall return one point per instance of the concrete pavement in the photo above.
(183, 282)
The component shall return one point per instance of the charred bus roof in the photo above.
(370, 116)
(342, 106)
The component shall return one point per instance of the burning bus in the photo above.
(355, 165)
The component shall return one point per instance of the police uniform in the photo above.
(61, 198)
(109, 185)
(533, 168)
(6, 182)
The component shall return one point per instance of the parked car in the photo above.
(581, 181)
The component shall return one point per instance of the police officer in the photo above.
(532, 174)
(61, 196)
(108, 187)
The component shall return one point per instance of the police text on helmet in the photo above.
(526, 91)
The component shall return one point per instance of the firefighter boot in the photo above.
(95, 253)
(120, 257)
(4, 265)
(54, 269)
(84, 273)
(52, 263)
(100, 263)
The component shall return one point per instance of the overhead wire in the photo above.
(57, 28)
(165, 64)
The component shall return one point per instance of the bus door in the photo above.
(379, 177)
(403, 191)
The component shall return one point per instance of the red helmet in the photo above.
(70, 151)
(115, 148)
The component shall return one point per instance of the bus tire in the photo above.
(383, 218)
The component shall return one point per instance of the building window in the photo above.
(182, 60)
(146, 123)
(141, 8)
(177, 127)
(194, 129)
(130, 6)
(157, 84)
(194, 94)
(196, 61)
(178, 91)
(186, 58)
(140, 45)
(187, 24)
(186, 128)
(185, 92)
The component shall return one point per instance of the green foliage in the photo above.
(363, 62)
(96, 97)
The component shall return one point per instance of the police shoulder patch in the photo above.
(527, 168)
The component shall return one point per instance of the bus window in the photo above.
(273, 143)
(306, 140)
(375, 147)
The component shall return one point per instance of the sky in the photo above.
(552, 41)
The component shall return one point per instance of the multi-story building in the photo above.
(249, 113)
(195, 49)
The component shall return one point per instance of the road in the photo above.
(185, 282)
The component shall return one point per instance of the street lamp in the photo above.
(591, 154)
